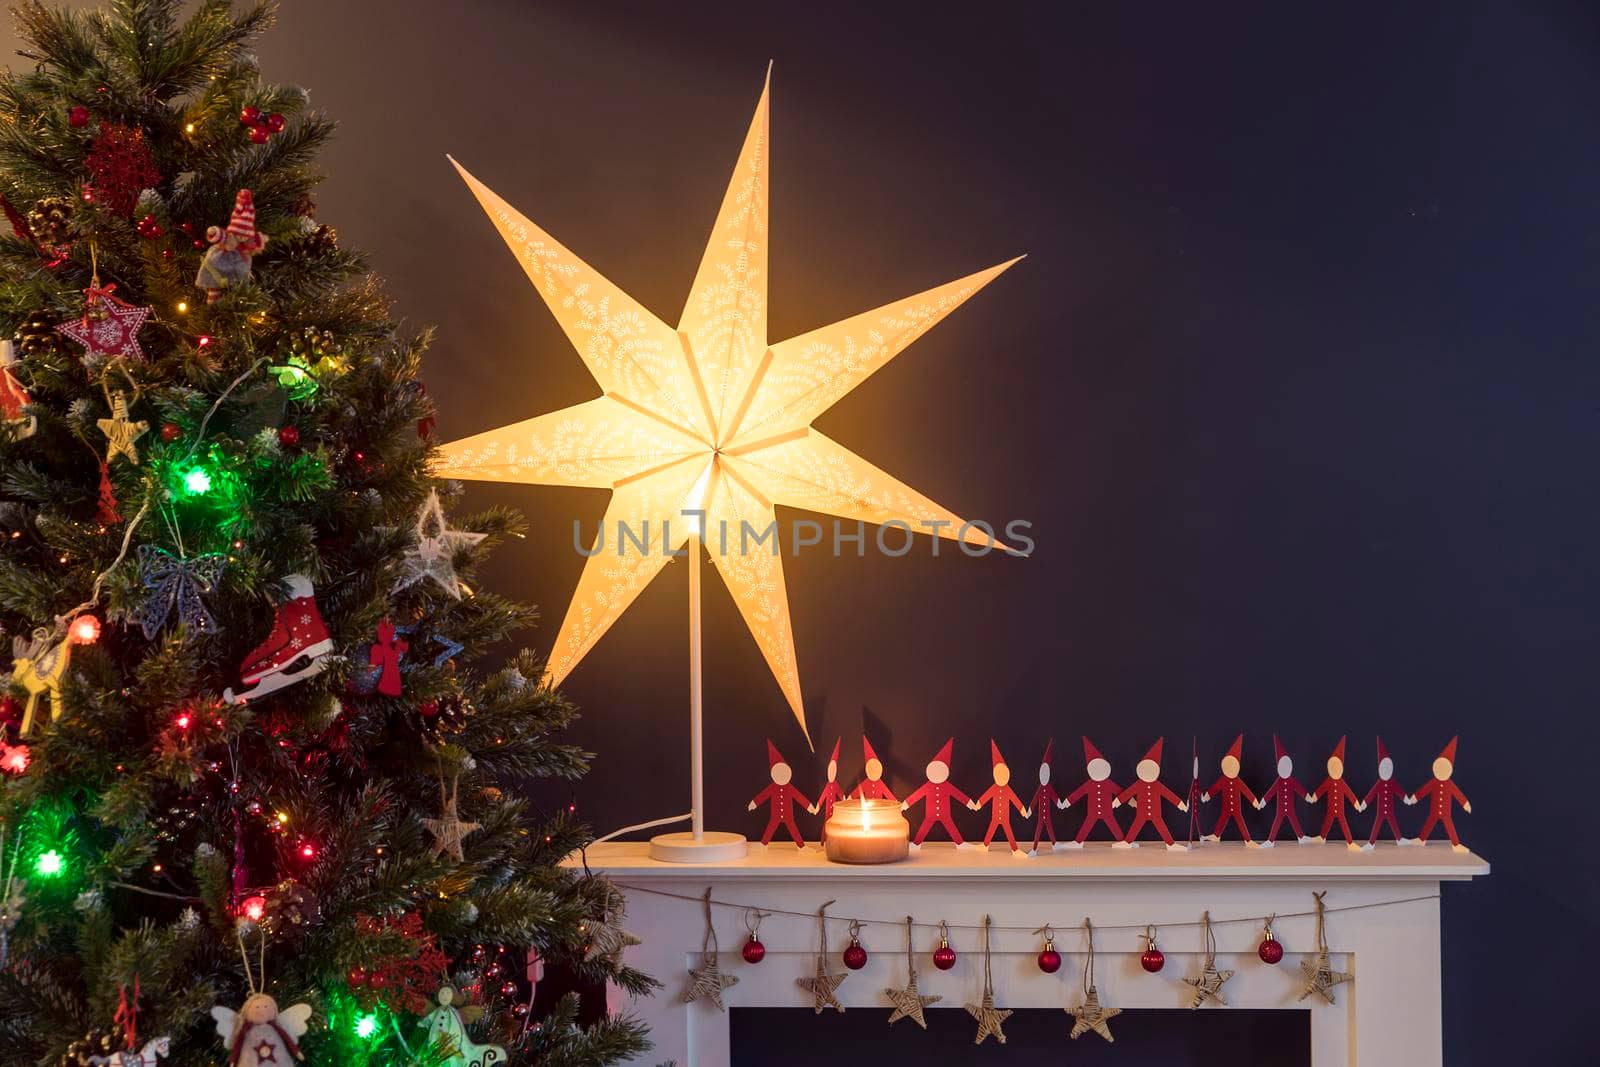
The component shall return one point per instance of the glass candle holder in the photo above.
(867, 831)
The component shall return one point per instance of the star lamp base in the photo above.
(710, 847)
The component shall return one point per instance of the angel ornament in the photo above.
(258, 1033)
(448, 1031)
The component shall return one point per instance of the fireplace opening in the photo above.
(798, 1037)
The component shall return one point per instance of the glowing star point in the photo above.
(705, 416)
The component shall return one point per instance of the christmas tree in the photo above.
(255, 798)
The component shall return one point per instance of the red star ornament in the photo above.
(117, 334)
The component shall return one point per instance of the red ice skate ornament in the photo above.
(1232, 791)
(1099, 794)
(1444, 793)
(1286, 791)
(783, 797)
(1338, 792)
(938, 797)
(296, 649)
(1147, 795)
(1001, 798)
(872, 786)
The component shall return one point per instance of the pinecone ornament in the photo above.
(51, 221)
(321, 240)
(37, 335)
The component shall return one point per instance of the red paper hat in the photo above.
(1338, 751)
(1236, 750)
(944, 753)
(866, 749)
(835, 757)
(1383, 750)
(994, 753)
(1277, 749)
(1090, 752)
(243, 223)
(1154, 755)
(1449, 752)
(774, 757)
(1049, 748)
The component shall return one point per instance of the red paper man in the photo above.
(1337, 790)
(1231, 788)
(1286, 791)
(1385, 791)
(1099, 794)
(1444, 793)
(831, 793)
(1043, 797)
(872, 787)
(784, 797)
(1146, 796)
(1001, 798)
(938, 797)
(386, 652)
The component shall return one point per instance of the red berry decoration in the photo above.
(168, 254)
(1152, 960)
(754, 951)
(276, 122)
(259, 134)
(249, 116)
(78, 116)
(170, 432)
(289, 436)
(149, 228)
(1271, 950)
(855, 957)
(944, 957)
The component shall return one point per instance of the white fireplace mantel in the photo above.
(1383, 927)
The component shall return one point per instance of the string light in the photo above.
(85, 630)
(182, 721)
(183, 307)
(366, 1025)
(197, 481)
(49, 864)
(188, 127)
(253, 908)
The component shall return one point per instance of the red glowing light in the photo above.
(85, 630)
(308, 850)
(13, 759)
(253, 908)
(182, 721)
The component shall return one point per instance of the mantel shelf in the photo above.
(1098, 860)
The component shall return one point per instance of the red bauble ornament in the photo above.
(754, 951)
(1152, 960)
(357, 977)
(428, 708)
(855, 957)
(78, 116)
(276, 122)
(944, 957)
(170, 432)
(1271, 950)
(259, 134)
(289, 436)
(1049, 960)
(249, 116)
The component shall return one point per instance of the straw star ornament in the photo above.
(708, 418)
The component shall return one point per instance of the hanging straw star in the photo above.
(434, 554)
(449, 830)
(706, 981)
(908, 1001)
(989, 1017)
(821, 986)
(1208, 986)
(1090, 1015)
(1320, 976)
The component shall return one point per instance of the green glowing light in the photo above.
(197, 481)
(366, 1026)
(49, 864)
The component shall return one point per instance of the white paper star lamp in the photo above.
(709, 417)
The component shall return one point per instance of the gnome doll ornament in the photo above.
(1147, 795)
(1338, 792)
(1385, 792)
(783, 797)
(1232, 791)
(1444, 793)
(447, 1030)
(1286, 791)
(872, 786)
(831, 793)
(938, 797)
(1099, 794)
(1043, 797)
(1001, 798)
(227, 261)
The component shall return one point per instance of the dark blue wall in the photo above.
(1299, 382)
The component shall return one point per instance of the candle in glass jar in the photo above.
(867, 831)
